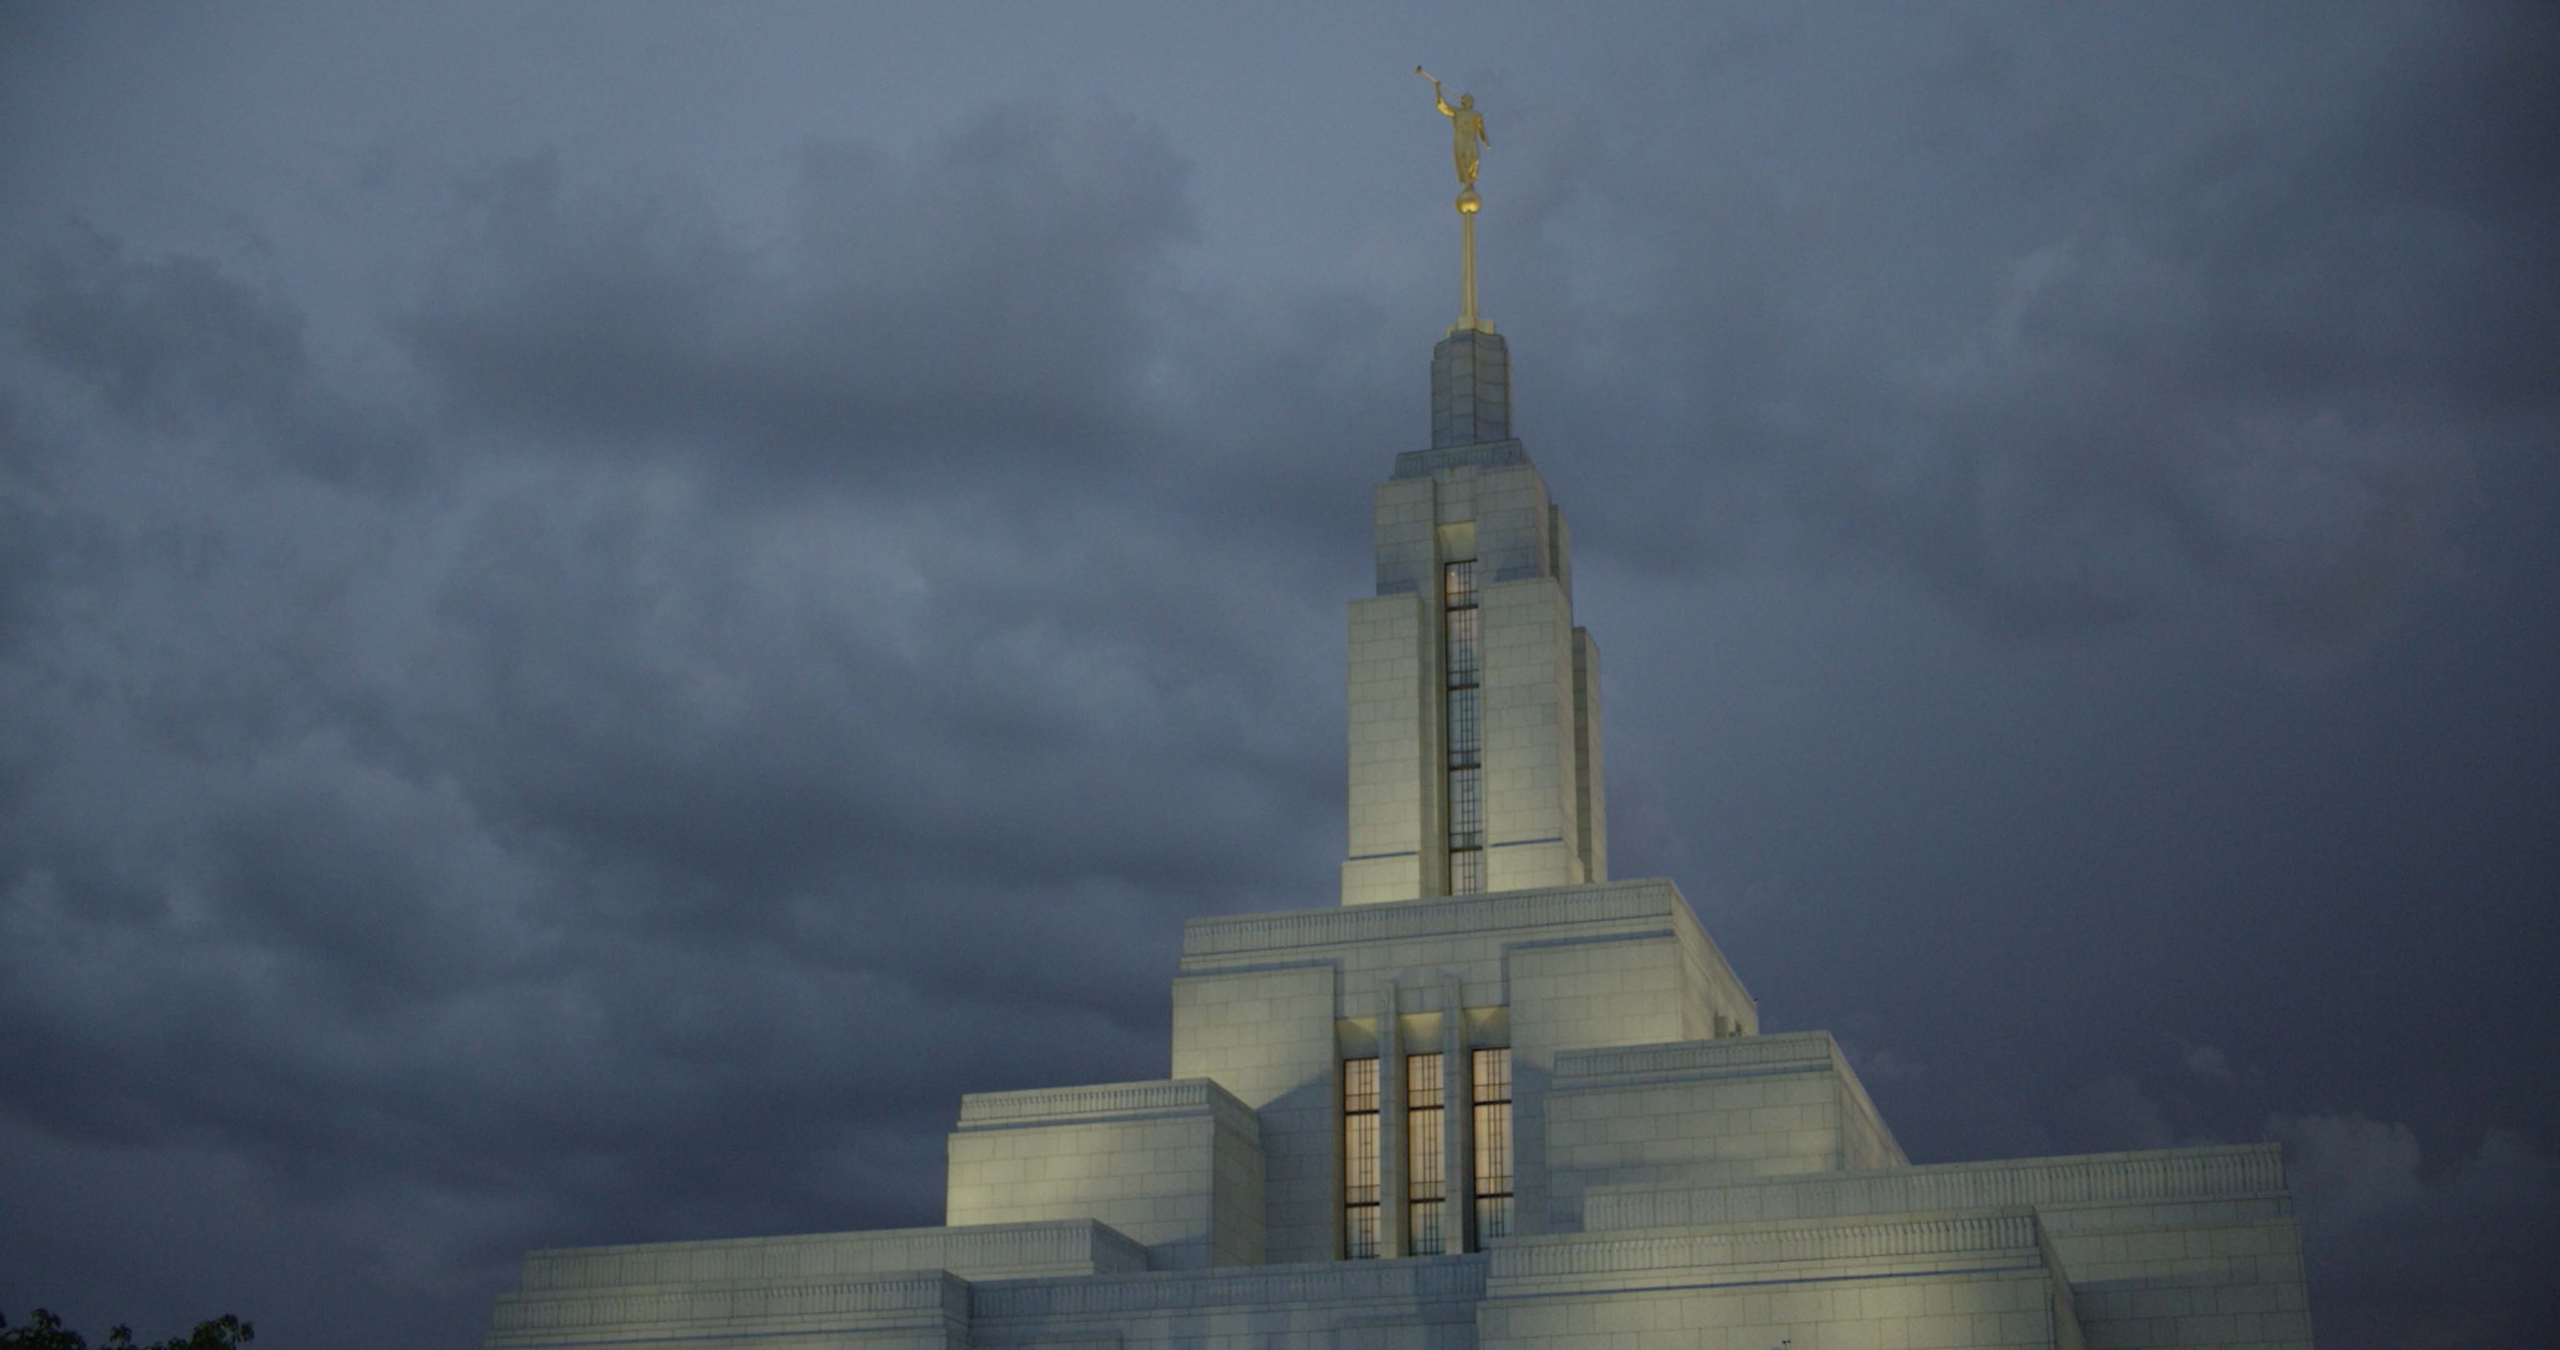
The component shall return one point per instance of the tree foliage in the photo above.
(44, 1331)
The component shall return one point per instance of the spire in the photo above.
(1470, 388)
(1468, 204)
(1474, 760)
(1471, 368)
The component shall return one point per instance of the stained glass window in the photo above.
(1466, 871)
(1463, 747)
(1493, 1143)
(1426, 1190)
(1360, 1158)
(1464, 727)
(1460, 589)
(1466, 810)
(1465, 659)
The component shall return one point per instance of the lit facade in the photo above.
(1492, 1098)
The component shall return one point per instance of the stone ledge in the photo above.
(1616, 1068)
(2007, 1237)
(1688, 1061)
(2156, 1176)
(1104, 1103)
(1426, 1279)
(1437, 916)
(1062, 1247)
(1480, 455)
(1523, 918)
(908, 1299)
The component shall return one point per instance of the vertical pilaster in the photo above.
(1531, 835)
(1457, 1119)
(1391, 1127)
(1590, 816)
(1393, 733)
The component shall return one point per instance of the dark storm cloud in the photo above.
(577, 806)
(2385, 1227)
(2273, 362)
(983, 297)
(722, 683)
(2256, 357)
(177, 344)
(2381, 1225)
(34, 547)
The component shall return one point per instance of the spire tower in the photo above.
(1475, 701)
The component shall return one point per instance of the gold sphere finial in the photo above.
(1468, 202)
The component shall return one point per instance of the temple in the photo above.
(1491, 1098)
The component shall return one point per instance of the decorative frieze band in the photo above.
(1107, 1101)
(1010, 1249)
(904, 1299)
(1445, 1279)
(1652, 898)
(1988, 1233)
(1481, 455)
(1617, 1065)
(2160, 1176)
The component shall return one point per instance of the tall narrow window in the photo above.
(1493, 1143)
(1466, 833)
(1462, 727)
(1464, 662)
(1459, 599)
(1360, 1158)
(1426, 1189)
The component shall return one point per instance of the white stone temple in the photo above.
(1491, 1098)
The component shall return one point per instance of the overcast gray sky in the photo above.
(604, 607)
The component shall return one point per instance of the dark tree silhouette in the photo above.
(44, 1331)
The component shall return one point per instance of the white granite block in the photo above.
(1144, 1158)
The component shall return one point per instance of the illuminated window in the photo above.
(1463, 746)
(1426, 1192)
(1466, 810)
(1461, 583)
(1360, 1158)
(1466, 871)
(1493, 1143)
(1465, 734)
(1465, 655)
(1466, 826)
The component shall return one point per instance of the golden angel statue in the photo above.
(1466, 128)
